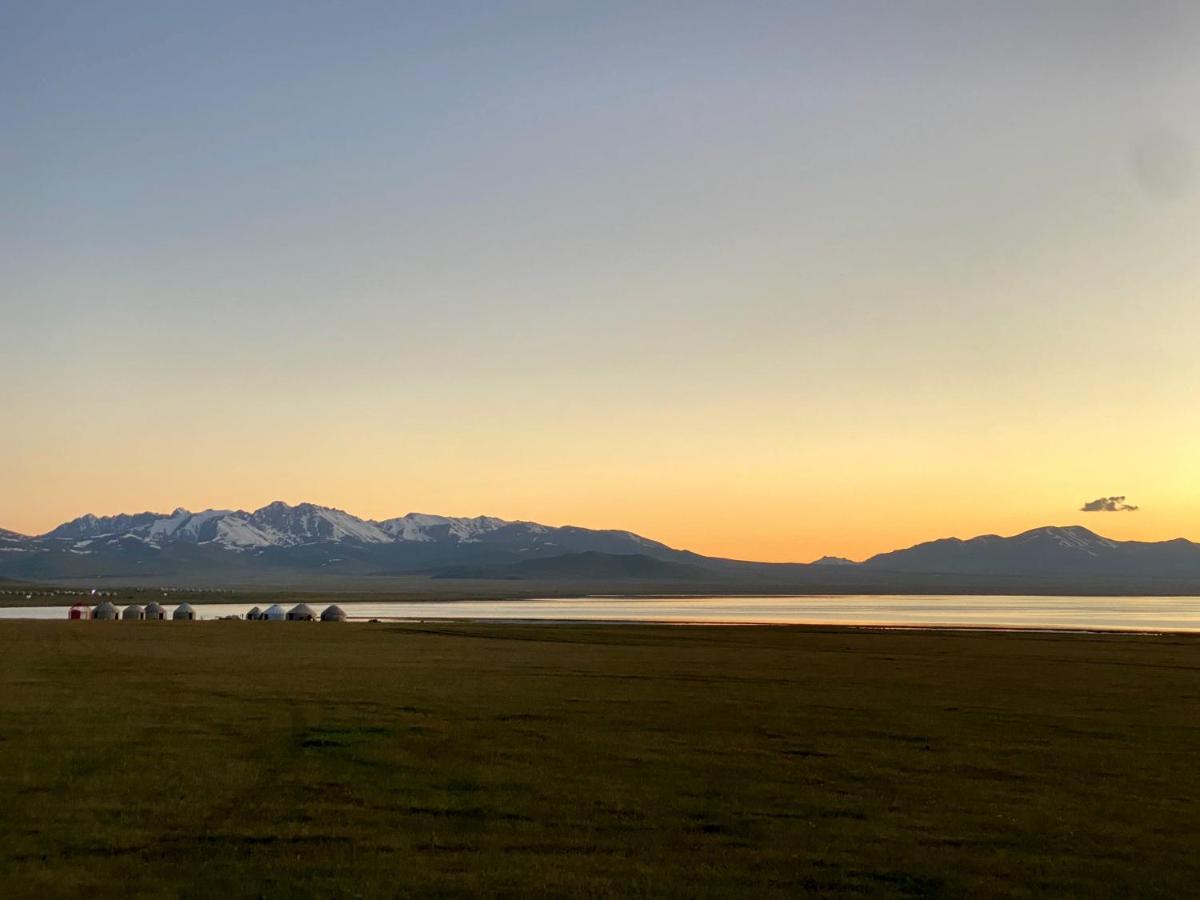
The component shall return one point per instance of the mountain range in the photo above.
(307, 543)
(285, 542)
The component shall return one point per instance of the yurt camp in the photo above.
(105, 611)
(79, 611)
(333, 614)
(133, 613)
(154, 611)
(301, 612)
(184, 613)
(273, 613)
(254, 615)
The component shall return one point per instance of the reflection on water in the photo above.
(1072, 613)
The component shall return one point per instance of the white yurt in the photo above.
(184, 613)
(333, 614)
(301, 612)
(154, 611)
(133, 613)
(105, 610)
(274, 613)
(254, 615)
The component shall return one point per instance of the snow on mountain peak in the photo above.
(236, 532)
(1069, 537)
(425, 527)
(307, 522)
(163, 528)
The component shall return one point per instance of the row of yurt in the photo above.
(184, 612)
(301, 612)
(105, 611)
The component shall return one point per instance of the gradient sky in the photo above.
(758, 279)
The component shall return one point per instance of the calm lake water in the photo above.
(1065, 613)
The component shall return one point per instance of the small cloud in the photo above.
(1108, 504)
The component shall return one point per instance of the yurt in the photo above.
(254, 615)
(133, 613)
(154, 611)
(105, 611)
(79, 611)
(273, 614)
(333, 614)
(184, 613)
(301, 612)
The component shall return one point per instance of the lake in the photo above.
(953, 611)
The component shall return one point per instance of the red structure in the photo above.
(79, 611)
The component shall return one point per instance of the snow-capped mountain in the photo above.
(90, 526)
(424, 527)
(280, 538)
(277, 525)
(308, 523)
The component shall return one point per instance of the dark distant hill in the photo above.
(589, 565)
(1052, 550)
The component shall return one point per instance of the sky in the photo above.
(761, 280)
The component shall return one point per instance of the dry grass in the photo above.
(263, 759)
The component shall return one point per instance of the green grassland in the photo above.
(294, 759)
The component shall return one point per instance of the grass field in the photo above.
(261, 759)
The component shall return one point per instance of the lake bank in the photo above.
(1051, 613)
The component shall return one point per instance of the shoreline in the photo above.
(820, 627)
(52, 597)
(683, 624)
